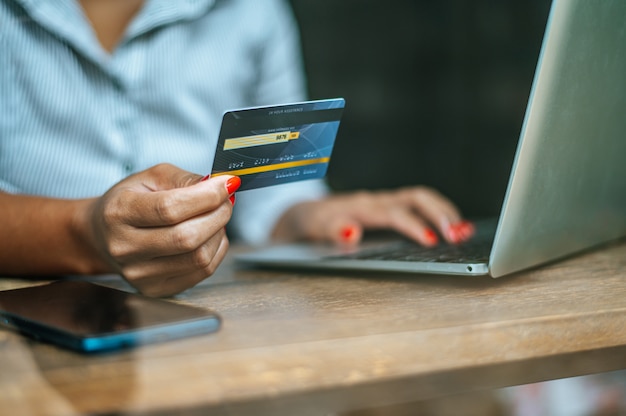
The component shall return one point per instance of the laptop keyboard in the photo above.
(475, 250)
(406, 251)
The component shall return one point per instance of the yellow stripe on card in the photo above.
(277, 166)
(260, 140)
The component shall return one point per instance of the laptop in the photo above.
(567, 188)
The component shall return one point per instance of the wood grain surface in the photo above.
(296, 342)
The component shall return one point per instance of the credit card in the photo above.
(274, 145)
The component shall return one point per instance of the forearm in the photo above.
(44, 236)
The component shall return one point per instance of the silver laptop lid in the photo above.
(568, 190)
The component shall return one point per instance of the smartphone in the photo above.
(88, 317)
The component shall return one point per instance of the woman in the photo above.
(110, 112)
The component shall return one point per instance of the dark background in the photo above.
(435, 90)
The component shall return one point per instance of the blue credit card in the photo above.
(274, 145)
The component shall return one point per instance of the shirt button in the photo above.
(128, 167)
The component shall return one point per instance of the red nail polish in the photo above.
(232, 184)
(467, 229)
(205, 178)
(453, 232)
(347, 233)
(460, 231)
(430, 236)
(232, 199)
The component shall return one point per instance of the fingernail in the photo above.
(430, 236)
(232, 199)
(205, 178)
(460, 231)
(232, 184)
(453, 233)
(348, 233)
(467, 229)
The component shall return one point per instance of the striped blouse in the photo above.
(74, 119)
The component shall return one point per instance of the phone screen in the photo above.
(90, 317)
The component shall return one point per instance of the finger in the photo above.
(350, 233)
(322, 221)
(390, 210)
(344, 231)
(441, 212)
(405, 221)
(184, 237)
(166, 276)
(342, 219)
(173, 206)
(460, 232)
(435, 208)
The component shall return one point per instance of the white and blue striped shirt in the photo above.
(74, 119)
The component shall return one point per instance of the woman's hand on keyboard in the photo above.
(420, 213)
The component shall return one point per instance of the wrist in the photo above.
(90, 259)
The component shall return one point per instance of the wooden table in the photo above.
(300, 343)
